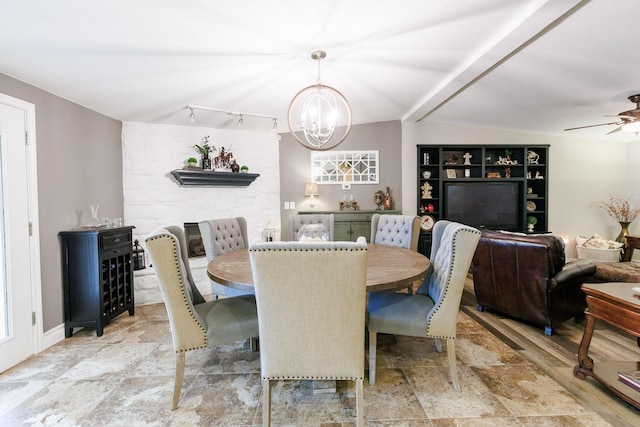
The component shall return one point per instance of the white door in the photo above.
(17, 333)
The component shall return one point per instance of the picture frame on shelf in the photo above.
(451, 173)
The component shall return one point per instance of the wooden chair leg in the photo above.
(372, 357)
(359, 408)
(453, 369)
(177, 386)
(266, 403)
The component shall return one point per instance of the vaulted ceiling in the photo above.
(530, 65)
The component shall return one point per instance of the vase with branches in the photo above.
(205, 152)
(625, 211)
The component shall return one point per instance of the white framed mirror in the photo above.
(338, 167)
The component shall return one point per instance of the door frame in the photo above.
(29, 111)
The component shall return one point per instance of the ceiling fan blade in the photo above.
(623, 116)
(592, 126)
(618, 129)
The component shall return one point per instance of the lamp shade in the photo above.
(311, 189)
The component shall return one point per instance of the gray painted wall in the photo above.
(79, 163)
(295, 171)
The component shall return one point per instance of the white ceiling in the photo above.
(531, 65)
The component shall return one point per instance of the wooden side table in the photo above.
(618, 305)
(633, 242)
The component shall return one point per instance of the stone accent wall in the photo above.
(153, 199)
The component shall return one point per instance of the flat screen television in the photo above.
(484, 204)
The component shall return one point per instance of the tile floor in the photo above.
(125, 378)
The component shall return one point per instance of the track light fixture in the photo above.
(239, 114)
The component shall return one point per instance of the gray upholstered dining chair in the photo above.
(311, 299)
(395, 230)
(194, 322)
(401, 231)
(298, 223)
(432, 311)
(220, 236)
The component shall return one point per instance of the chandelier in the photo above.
(319, 116)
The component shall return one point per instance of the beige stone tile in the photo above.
(147, 331)
(162, 361)
(110, 361)
(477, 422)
(14, 393)
(51, 363)
(391, 398)
(564, 421)
(525, 391)
(62, 402)
(485, 349)
(294, 403)
(399, 423)
(219, 400)
(434, 390)
(232, 358)
(402, 351)
(139, 401)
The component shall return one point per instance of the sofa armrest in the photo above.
(573, 271)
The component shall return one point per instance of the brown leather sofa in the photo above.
(525, 277)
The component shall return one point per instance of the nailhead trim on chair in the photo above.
(184, 296)
(453, 257)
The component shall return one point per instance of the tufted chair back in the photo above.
(311, 300)
(395, 230)
(220, 236)
(452, 251)
(433, 311)
(299, 221)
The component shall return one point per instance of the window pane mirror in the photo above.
(337, 167)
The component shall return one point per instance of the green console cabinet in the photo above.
(349, 225)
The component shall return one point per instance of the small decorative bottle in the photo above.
(388, 201)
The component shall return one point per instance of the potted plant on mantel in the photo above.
(192, 163)
(205, 150)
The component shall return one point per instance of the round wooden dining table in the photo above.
(388, 267)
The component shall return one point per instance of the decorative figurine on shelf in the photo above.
(451, 160)
(467, 158)
(388, 201)
(426, 190)
(235, 167)
(430, 208)
(507, 173)
(532, 157)
(223, 160)
(539, 175)
(378, 199)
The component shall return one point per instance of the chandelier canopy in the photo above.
(319, 116)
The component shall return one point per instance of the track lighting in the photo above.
(240, 115)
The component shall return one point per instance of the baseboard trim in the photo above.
(52, 337)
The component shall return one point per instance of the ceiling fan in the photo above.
(628, 120)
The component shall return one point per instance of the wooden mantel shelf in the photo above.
(211, 178)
